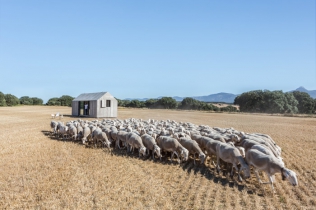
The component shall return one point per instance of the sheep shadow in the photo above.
(50, 135)
(210, 173)
(207, 171)
(135, 154)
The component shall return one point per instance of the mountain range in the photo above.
(223, 97)
(312, 93)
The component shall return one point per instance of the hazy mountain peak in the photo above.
(302, 89)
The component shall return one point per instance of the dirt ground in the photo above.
(41, 172)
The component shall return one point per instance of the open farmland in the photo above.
(41, 172)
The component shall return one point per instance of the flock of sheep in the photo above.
(230, 147)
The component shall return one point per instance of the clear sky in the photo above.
(147, 49)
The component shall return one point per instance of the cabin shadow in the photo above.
(208, 171)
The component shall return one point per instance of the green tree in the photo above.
(291, 103)
(191, 103)
(135, 103)
(251, 101)
(228, 108)
(274, 101)
(53, 102)
(37, 101)
(25, 100)
(267, 101)
(65, 100)
(11, 100)
(2, 99)
(306, 103)
(167, 103)
(122, 103)
(216, 108)
(151, 103)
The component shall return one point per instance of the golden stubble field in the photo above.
(39, 172)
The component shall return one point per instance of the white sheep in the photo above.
(270, 165)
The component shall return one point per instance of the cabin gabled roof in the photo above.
(90, 96)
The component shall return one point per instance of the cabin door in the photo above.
(84, 107)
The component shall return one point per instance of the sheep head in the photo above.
(289, 175)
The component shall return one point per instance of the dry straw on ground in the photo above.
(41, 172)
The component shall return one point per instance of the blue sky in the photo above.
(147, 49)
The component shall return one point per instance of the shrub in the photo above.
(2, 99)
(228, 109)
(151, 103)
(167, 103)
(306, 104)
(65, 100)
(11, 100)
(53, 102)
(25, 100)
(37, 101)
(191, 103)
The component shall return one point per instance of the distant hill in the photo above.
(218, 97)
(139, 99)
(222, 97)
(312, 93)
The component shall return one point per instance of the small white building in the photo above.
(98, 105)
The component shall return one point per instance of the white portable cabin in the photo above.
(100, 105)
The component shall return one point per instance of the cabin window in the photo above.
(102, 104)
(108, 103)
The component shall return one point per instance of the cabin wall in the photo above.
(93, 112)
(75, 108)
(103, 110)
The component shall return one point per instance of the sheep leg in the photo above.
(153, 153)
(205, 160)
(217, 165)
(117, 145)
(271, 181)
(172, 156)
(124, 145)
(239, 177)
(174, 153)
(232, 172)
(257, 175)
(128, 148)
(194, 159)
(179, 158)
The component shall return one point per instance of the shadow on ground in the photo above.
(206, 170)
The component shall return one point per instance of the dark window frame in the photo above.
(108, 103)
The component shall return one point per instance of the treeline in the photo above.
(170, 103)
(276, 102)
(64, 100)
(12, 100)
(261, 101)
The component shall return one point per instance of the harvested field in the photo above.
(42, 172)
